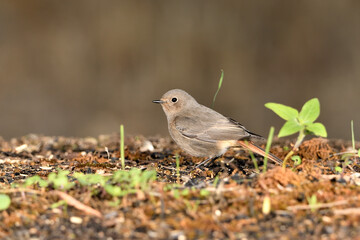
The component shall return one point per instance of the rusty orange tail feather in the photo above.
(256, 149)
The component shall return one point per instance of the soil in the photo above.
(318, 199)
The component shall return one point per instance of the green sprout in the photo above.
(122, 146)
(353, 139)
(267, 148)
(192, 205)
(5, 202)
(119, 184)
(60, 180)
(296, 159)
(313, 203)
(204, 192)
(90, 179)
(253, 158)
(61, 203)
(216, 181)
(36, 180)
(352, 134)
(185, 192)
(219, 86)
(348, 156)
(338, 169)
(302, 122)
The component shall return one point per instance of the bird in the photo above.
(203, 132)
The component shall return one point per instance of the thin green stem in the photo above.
(254, 161)
(267, 148)
(352, 134)
(122, 146)
(219, 86)
(299, 140)
(253, 158)
(287, 157)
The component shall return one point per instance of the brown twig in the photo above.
(319, 205)
(77, 204)
(347, 211)
(16, 190)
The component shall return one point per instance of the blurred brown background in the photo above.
(81, 68)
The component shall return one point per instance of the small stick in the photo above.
(77, 204)
(319, 205)
(347, 211)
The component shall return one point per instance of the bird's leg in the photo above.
(207, 162)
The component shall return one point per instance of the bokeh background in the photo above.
(81, 68)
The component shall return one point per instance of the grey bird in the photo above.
(203, 132)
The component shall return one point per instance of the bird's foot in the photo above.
(207, 162)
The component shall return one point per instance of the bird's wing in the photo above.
(210, 128)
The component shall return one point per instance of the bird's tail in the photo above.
(256, 149)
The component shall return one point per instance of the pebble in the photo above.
(76, 220)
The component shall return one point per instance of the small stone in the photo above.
(33, 231)
(147, 146)
(217, 213)
(21, 148)
(76, 220)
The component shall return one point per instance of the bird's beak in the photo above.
(158, 101)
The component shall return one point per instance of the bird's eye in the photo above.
(174, 99)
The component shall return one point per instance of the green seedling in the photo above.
(313, 202)
(122, 146)
(353, 139)
(297, 160)
(348, 156)
(267, 148)
(36, 180)
(192, 205)
(59, 204)
(115, 202)
(352, 134)
(119, 184)
(253, 158)
(134, 179)
(219, 86)
(178, 190)
(185, 192)
(216, 181)
(116, 191)
(338, 169)
(60, 180)
(122, 182)
(171, 186)
(204, 192)
(5, 202)
(90, 179)
(176, 193)
(301, 122)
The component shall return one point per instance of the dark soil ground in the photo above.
(318, 199)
